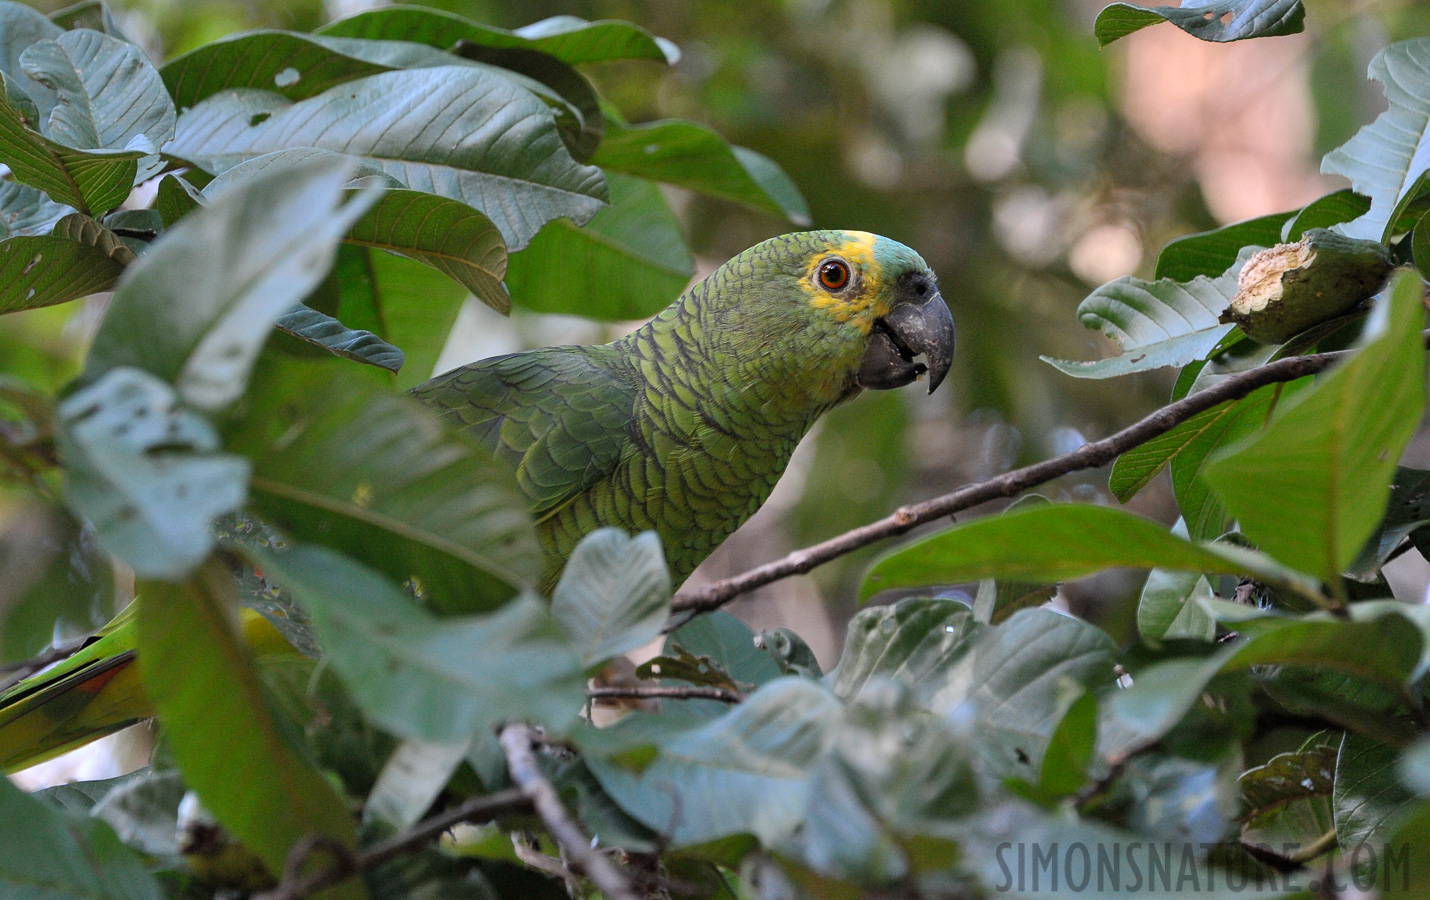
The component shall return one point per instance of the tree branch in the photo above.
(1010, 484)
(477, 809)
(517, 741)
(675, 692)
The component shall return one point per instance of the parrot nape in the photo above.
(682, 427)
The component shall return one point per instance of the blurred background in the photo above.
(1025, 164)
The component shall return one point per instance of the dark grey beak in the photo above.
(918, 324)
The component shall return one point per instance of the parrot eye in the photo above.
(834, 274)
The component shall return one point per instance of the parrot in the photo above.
(681, 427)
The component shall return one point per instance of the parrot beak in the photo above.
(918, 324)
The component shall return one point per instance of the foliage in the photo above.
(238, 412)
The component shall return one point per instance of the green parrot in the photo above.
(682, 427)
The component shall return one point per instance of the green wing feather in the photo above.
(561, 417)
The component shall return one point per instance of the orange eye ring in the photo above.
(834, 274)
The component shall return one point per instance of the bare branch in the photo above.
(478, 809)
(674, 692)
(517, 742)
(1010, 484)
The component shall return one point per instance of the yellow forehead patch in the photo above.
(858, 249)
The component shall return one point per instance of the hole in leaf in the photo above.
(259, 118)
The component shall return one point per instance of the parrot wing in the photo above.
(561, 416)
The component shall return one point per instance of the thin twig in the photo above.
(517, 742)
(478, 809)
(674, 692)
(1010, 484)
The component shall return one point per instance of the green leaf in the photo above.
(1326, 212)
(1211, 253)
(614, 594)
(1311, 487)
(1368, 795)
(1204, 514)
(297, 66)
(108, 96)
(1288, 797)
(1168, 607)
(279, 232)
(629, 262)
(56, 585)
(1163, 693)
(413, 777)
(27, 211)
(568, 93)
(1385, 159)
(914, 641)
(1208, 20)
(1050, 543)
(341, 461)
(1016, 679)
(729, 643)
(409, 305)
(219, 721)
(81, 258)
(509, 162)
(441, 680)
(91, 14)
(569, 39)
(313, 327)
(146, 472)
(56, 855)
(997, 600)
(746, 772)
(1070, 749)
(1156, 323)
(693, 156)
(20, 27)
(91, 181)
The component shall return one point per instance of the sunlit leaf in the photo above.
(441, 680)
(218, 719)
(1387, 158)
(1311, 487)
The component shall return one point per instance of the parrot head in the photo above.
(866, 305)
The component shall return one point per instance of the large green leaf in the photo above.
(508, 159)
(1326, 212)
(146, 472)
(1386, 158)
(1212, 252)
(297, 66)
(108, 96)
(278, 232)
(53, 854)
(91, 181)
(1288, 797)
(339, 460)
(1052, 543)
(629, 262)
(81, 258)
(1204, 514)
(1368, 794)
(695, 157)
(220, 722)
(20, 27)
(1209, 20)
(1163, 693)
(27, 211)
(914, 641)
(1312, 486)
(56, 586)
(614, 594)
(1156, 323)
(569, 39)
(442, 680)
(1015, 679)
(1168, 607)
(747, 772)
(445, 234)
